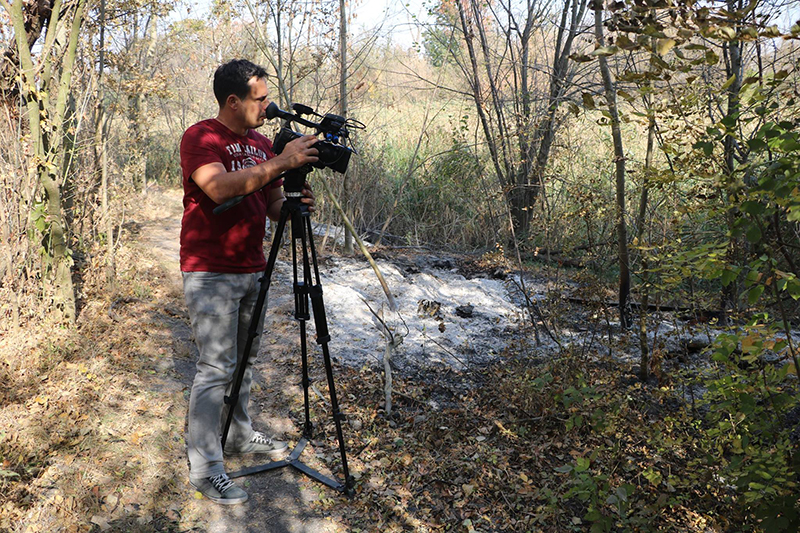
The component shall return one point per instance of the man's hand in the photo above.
(308, 196)
(298, 153)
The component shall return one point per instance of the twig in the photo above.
(451, 354)
(371, 441)
(349, 225)
(314, 388)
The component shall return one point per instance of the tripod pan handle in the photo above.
(227, 205)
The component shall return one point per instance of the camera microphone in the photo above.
(274, 111)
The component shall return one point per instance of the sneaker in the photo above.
(260, 443)
(220, 489)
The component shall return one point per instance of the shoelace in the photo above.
(260, 438)
(221, 482)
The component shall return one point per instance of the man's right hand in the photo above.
(298, 152)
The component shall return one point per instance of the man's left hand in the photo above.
(308, 197)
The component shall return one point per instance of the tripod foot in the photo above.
(293, 460)
(349, 488)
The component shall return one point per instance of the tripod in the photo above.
(304, 289)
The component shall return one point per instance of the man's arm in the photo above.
(221, 185)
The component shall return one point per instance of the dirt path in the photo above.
(279, 500)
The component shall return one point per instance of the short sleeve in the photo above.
(199, 146)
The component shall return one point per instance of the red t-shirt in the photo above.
(230, 242)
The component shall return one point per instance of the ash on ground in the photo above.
(453, 321)
(445, 318)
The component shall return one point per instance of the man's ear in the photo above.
(232, 101)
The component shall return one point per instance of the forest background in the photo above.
(646, 150)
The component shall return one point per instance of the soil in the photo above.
(282, 499)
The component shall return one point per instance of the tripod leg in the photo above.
(252, 331)
(301, 314)
(323, 337)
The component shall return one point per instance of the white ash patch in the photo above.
(440, 338)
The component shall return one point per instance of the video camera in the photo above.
(333, 153)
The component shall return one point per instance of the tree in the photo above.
(499, 72)
(45, 82)
(348, 236)
(619, 168)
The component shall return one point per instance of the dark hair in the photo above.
(232, 78)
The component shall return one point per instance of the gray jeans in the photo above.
(220, 308)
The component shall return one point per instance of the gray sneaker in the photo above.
(260, 443)
(220, 489)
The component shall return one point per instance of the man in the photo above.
(222, 260)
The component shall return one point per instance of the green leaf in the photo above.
(588, 101)
(753, 234)
(624, 42)
(754, 294)
(706, 146)
(790, 145)
(653, 476)
(728, 83)
(793, 288)
(728, 276)
(564, 469)
(581, 58)
(752, 207)
(592, 516)
(756, 144)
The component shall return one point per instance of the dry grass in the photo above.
(92, 417)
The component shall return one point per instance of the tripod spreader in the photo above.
(306, 287)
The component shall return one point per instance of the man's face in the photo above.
(252, 110)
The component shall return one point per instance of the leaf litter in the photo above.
(484, 437)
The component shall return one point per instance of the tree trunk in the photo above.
(477, 95)
(348, 236)
(35, 16)
(101, 158)
(45, 117)
(644, 362)
(619, 164)
(733, 69)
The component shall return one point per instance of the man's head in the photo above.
(233, 78)
(241, 91)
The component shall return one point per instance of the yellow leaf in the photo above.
(726, 32)
(728, 83)
(664, 46)
(468, 489)
(136, 437)
(523, 477)
(605, 51)
(198, 495)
